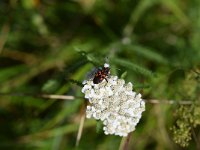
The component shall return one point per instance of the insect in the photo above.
(101, 74)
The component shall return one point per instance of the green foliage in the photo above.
(147, 53)
(133, 67)
(187, 116)
(99, 127)
(188, 119)
(50, 86)
(182, 130)
(50, 46)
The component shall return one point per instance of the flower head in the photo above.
(114, 103)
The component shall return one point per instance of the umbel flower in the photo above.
(113, 102)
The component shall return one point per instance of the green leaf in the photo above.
(147, 53)
(50, 86)
(136, 68)
(10, 72)
(99, 126)
(123, 75)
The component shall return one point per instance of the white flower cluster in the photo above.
(115, 104)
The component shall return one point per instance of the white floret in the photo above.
(115, 104)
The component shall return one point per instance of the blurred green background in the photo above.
(48, 46)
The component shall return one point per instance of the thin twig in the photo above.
(124, 142)
(80, 130)
(70, 97)
(62, 97)
(48, 96)
(155, 101)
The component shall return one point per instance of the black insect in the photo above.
(101, 74)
